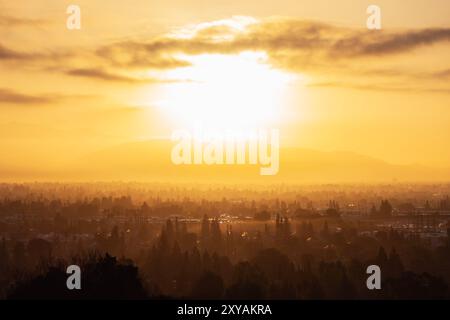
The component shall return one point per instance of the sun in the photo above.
(226, 91)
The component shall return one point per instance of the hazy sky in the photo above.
(139, 69)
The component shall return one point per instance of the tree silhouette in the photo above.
(101, 278)
(208, 286)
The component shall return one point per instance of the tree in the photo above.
(382, 258)
(248, 283)
(103, 277)
(208, 286)
(395, 265)
(274, 264)
(325, 230)
(411, 286)
(204, 233)
(385, 208)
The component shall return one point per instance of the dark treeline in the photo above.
(273, 263)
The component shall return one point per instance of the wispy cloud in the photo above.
(9, 54)
(443, 74)
(13, 97)
(135, 55)
(102, 75)
(384, 43)
(11, 21)
(284, 35)
(292, 44)
(8, 96)
(378, 87)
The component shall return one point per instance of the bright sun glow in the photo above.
(226, 91)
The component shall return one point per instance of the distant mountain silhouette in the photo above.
(150, 161)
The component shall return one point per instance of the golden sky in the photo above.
(139, 69)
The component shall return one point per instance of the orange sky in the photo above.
(138, 72)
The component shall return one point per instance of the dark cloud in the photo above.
(378, 87)
(101, 75)
(442, 74)
(8, 54)
(43, 58)
(298, 38)
(283, 35)
(297, 41)
(136, 55)
(382, 43)
(296, 45)
(12, 97)
(10, 21)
